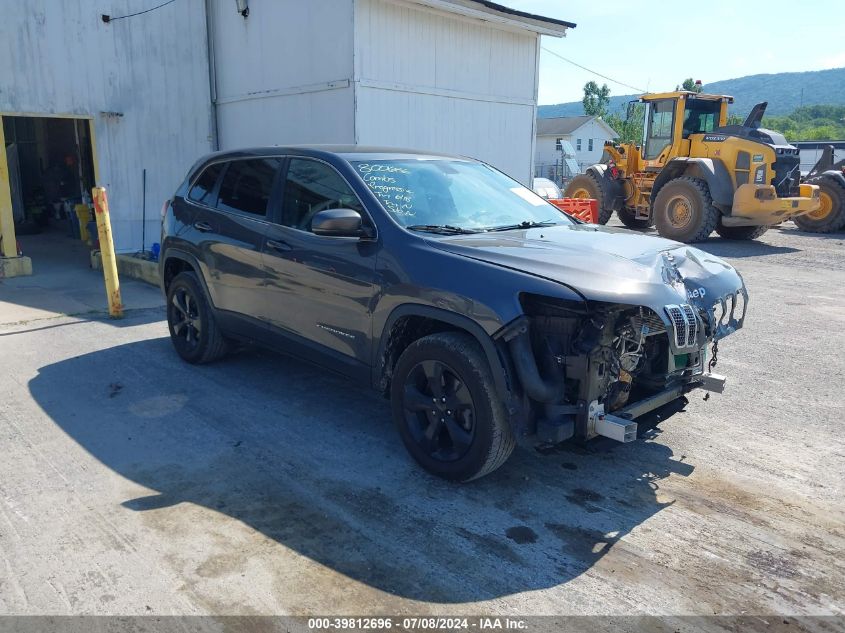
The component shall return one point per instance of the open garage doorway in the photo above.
(51, 172)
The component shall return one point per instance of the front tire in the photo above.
(683, 210)
(590, 186)
(193, 330)
(447, 410)
(830, 216)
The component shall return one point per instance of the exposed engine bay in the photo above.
(591, 368)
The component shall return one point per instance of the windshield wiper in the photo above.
(527, 224)
(446, 229)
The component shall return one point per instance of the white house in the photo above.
(129, 102)
(586, 135)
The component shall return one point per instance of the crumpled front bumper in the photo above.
(716, 300)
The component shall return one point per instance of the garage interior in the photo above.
(51, 173)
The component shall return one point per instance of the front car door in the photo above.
(319, 288)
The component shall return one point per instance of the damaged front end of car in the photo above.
(591, 368)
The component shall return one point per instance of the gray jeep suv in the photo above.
(486, 315)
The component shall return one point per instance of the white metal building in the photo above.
(456, 76)
(586, 135)
(120, 97)
(156, 90)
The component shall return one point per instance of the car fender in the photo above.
(458, 321)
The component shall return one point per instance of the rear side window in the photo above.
(312, 187)
(247, 185)
(203, 188)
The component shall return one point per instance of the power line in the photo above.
(108, 18)
(592, 71)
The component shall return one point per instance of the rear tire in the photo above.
(590, 186)
(447, 410)
(741, 232)
(629, 219)
(831, 216)
(683, 210)
(193, 330)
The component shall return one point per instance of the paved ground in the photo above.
(63, 283)
(131, 483)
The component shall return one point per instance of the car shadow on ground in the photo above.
(313, 462)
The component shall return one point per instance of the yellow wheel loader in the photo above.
(695, 174)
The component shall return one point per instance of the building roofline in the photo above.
(497, 13)
(587, 118)
(523, 14)
(818, 144)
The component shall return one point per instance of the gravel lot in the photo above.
(131, 483)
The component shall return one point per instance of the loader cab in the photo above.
(672, 117)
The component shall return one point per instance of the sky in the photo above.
(654, 45)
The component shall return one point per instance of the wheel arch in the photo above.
(711, 171)
(413, 315)
(176, 261)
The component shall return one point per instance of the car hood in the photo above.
(607, 264)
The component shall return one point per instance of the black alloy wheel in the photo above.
(439, 411)
(447, 409)
(193, 330)
(186, 321)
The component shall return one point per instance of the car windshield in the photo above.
(444, 195)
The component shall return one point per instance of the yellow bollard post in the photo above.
(101, 210)
(8, 243)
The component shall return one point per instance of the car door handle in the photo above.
(279, 246)
(203, 227)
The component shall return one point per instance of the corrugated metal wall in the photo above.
(324, 71)
(436, 81)
(58, 57)
(418, 78)
(284, 75)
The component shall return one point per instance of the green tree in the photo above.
(689, 84)
(629, 129)
(596, 99)
(808, 123)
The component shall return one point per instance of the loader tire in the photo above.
(741, 232)
(590, 186)
(629, 219)
(684, 211)
(831, 216)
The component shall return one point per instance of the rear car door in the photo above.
(235, 231)
(320, 289)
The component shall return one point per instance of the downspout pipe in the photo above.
(212, 72)
(547, 391)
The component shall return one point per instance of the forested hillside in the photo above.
(808, 106)
(784, 91)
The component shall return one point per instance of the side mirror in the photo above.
(337, 223)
